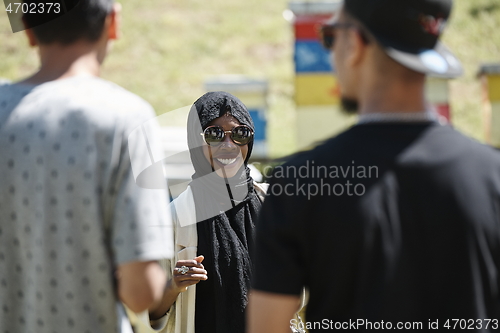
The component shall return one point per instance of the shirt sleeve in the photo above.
(280, 242)
(141, 227)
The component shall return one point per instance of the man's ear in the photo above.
(30, 34)
(358, 48)
(114, 21)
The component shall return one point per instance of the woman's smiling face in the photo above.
(227, 157)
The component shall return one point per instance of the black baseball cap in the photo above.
(409, 31)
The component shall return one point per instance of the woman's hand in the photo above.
(179, 283)
(194, 274)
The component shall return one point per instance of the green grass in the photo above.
(170, 47)
(473, 36)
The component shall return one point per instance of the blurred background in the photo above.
(170, 48)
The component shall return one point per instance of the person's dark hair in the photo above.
(84, 21)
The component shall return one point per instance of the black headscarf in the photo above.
(226, 209)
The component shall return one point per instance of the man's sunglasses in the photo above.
(327, 33)
(214, 135)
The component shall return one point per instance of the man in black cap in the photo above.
(396, 223)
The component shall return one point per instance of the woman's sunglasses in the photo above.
(241, 135)
(327, 33)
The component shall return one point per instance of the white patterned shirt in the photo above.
(70, 209)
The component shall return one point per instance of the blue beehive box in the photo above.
(311, 57)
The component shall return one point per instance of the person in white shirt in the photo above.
(77, 234)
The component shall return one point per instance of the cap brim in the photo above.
(437, 62)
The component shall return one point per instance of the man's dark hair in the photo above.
(84, 19)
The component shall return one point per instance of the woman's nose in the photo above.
(227, 143)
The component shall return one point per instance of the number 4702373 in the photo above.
(471, 324)
(34, 8)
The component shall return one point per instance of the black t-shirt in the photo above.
(392, 222)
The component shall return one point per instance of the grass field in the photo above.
(170, 47)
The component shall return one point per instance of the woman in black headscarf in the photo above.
(215, 221)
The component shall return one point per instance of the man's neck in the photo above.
(386, 96)
(60, 62)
